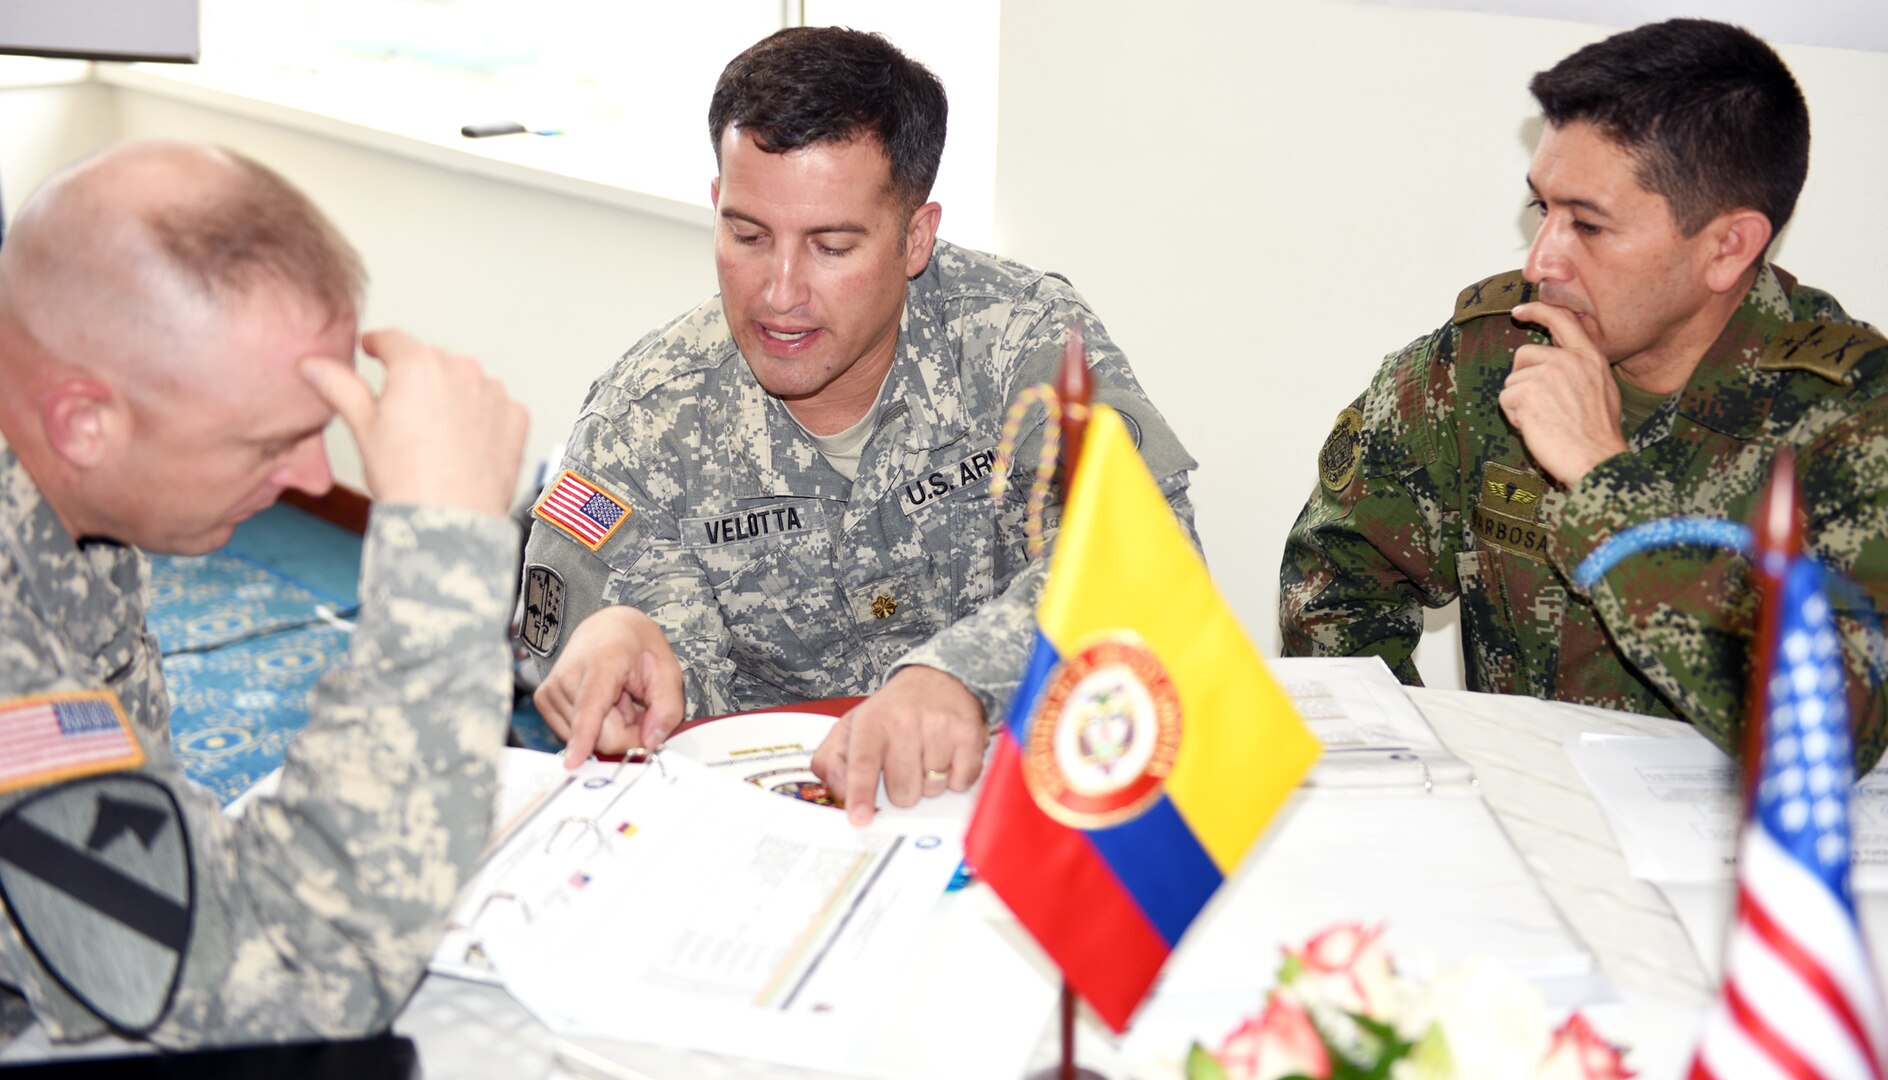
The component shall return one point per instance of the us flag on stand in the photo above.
(1800, 999)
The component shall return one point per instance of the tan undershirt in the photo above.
(842, 448)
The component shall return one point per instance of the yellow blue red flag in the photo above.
(1146, 748)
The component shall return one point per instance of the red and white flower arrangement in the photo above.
(1342, 1012)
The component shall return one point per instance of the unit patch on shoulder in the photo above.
(96, 875)
(1492, 296)
(1337, 461)
(543, 618)
(584, 511)
(1826, 349)
(53, 737)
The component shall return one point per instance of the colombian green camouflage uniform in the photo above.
(314, 913)
(775, 579)
(1426, 494)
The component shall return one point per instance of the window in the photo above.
(623, 72)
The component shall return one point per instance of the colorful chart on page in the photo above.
(771, 750)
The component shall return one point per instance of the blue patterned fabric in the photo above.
(242, 647)
(243, 644)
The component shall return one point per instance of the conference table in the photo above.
(1516, 748)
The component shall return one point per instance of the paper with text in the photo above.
(1675, 805)
(715, 915)
(1372, 734)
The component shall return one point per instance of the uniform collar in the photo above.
(91, 593)
(1727, 393)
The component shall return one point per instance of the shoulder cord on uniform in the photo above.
(1051, 402)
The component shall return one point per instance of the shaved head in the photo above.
(156, 302)
(118, 266)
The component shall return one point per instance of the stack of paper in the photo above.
(1675, 806)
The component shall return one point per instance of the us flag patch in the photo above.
(581, 509)
(56, 737)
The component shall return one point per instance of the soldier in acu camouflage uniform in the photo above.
(165, 312)
(1647, 362)
(782, 495)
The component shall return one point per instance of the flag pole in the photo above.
(1074, 386)
(1776, 530)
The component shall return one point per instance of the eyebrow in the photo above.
(817, 230)
(1588, 205)
(292, 438)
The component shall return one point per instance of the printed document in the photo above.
(1675, 805)
(705, 912)
(1372, 734)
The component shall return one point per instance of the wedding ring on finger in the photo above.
(940, 775)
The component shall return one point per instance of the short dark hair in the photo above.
(260, 229)
(1710, 113)
(807, 85)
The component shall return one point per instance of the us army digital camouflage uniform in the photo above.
(133, 904)
(775, 579)
(1427, 494)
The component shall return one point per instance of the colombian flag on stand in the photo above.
(1147, 746)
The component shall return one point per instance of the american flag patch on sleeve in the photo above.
(56, 737)
(581, 509)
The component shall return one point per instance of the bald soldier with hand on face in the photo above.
(177, 329)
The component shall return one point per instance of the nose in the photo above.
(306, 468)
(786, 285)
(1546, 257)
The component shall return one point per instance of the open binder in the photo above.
(550, 820)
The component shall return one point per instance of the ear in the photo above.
(714, 193)
(920, 236)
(82, 418)
(1736, 239)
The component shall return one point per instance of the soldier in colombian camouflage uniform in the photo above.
(782, 495)
(1647, 363)
(177, 328)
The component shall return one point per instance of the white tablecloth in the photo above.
(1515, 746)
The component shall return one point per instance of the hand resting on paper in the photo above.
(615, 687)
(923, 730)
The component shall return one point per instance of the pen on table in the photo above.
(503, 127)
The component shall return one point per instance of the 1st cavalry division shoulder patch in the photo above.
(584, 511)
(1337, 461)
(96, 876)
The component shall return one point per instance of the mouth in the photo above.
(785, 340)
(1558, 300)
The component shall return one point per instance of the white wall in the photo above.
(44, 127)
(1261, 200)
